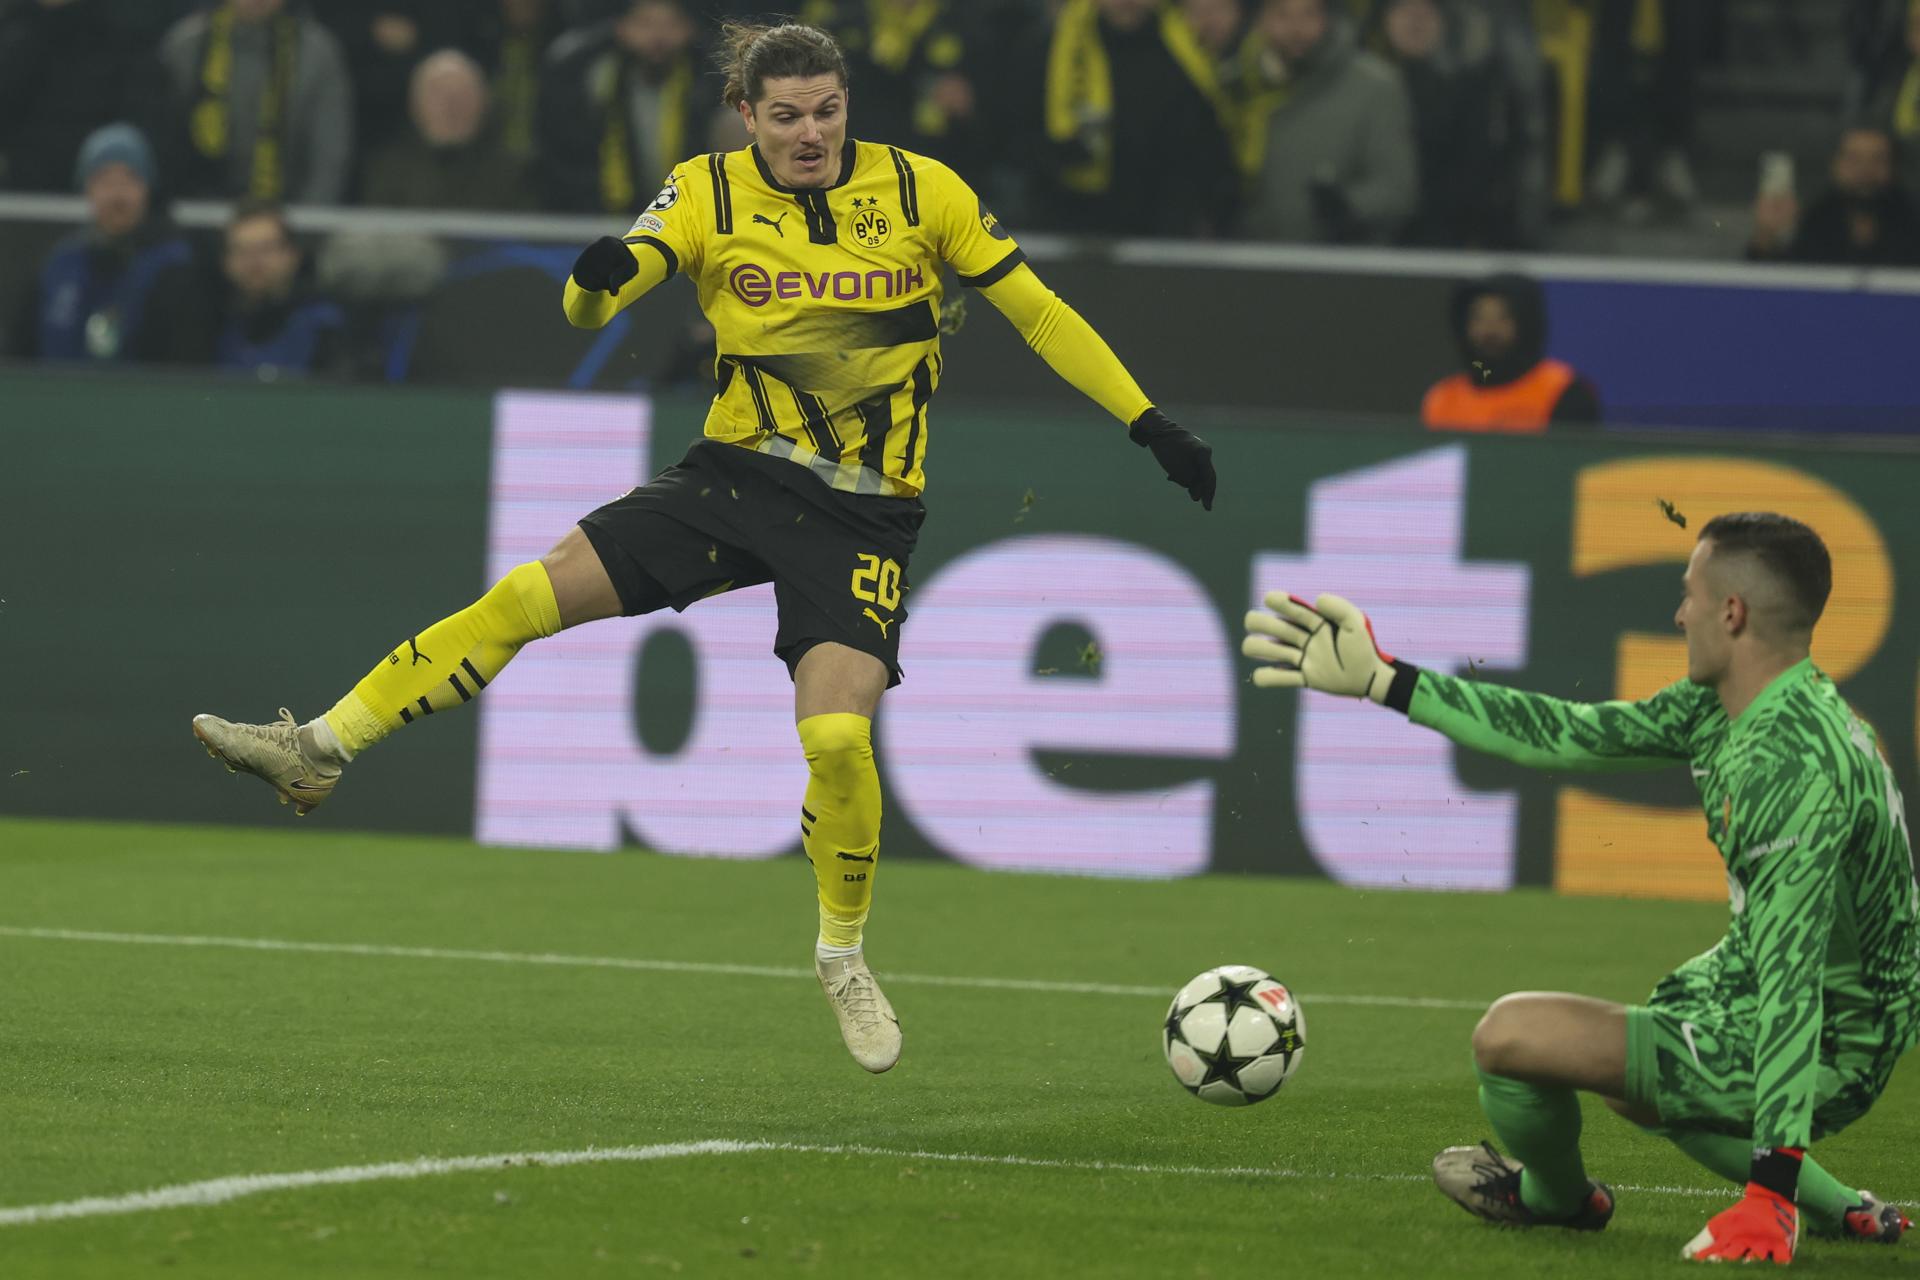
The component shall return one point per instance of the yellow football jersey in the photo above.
(825, 302)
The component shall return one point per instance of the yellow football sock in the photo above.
(840, 821)
(449, 662)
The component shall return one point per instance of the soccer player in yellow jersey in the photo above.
(817, 259)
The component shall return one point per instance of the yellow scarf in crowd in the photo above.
(1080, 87)
(211, 122)
(619, 185)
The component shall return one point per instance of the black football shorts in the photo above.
(725, 517)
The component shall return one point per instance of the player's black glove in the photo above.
(1184, 456)
(604, 266)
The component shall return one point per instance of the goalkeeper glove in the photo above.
(1184, 456)
(1763, 1227)
(1328, 646)
(604, 266)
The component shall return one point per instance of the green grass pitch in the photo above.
(132, 1065)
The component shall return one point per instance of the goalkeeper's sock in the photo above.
(448, 663)
(1539, 1124)
(1821, 1196)
(840, 822)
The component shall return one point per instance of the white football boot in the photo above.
(274, 753)
(867, 1021)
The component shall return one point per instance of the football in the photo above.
(1233, 1035)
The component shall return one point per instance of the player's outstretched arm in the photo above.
(1328, 646)
(608, 276)
(1071, 348)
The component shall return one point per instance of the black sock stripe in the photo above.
(807, 815)
(426, 708)
(406, 716)
(479, 681)
(459, 688)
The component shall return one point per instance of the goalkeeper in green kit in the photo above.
(1788, 1029)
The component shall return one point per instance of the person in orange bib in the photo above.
(1509, 384)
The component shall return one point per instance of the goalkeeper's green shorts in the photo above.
(1690, 1057)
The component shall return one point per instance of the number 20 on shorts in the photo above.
(877, 581)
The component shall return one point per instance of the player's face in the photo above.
(1702, 616)
(800, 123)
(117, 199)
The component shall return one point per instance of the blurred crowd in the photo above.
(1461, 123)
(1455, 123)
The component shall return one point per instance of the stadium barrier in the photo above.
(1074, 697)
(1264, 327)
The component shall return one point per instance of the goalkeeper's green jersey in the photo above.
(1824, 942)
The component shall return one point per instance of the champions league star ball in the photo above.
(1234, 1035)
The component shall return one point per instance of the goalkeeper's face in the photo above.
(1705, 618)
(800, 123)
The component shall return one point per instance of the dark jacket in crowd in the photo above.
(411, 173)
(305, 334)
(1524, 391)
(1156, 161)
(1479, 120)
(66, 70)
(289, 70)
(1826, 231)
(382, 76)
(611, 130)
(1330, 151)
(897, 65)
(136, 298)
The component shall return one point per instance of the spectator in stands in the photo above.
(66, 68)
(261, 104)
(621, 103)
(124, 288)
(1865, 218)
(1219, 26)
(1896, 100)
(383, 41)
(273, 326)
(450, 159)
(1326, 131)
(1509, 384)
(1133, 137)
(513, 47)
(909, 61)
(1876, 49)
(1646, 56)
(1475, 79)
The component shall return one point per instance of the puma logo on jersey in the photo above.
(773, 222)
(878, 621)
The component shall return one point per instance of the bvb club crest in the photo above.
(871, 227)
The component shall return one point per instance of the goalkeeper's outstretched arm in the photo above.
(1328, 646)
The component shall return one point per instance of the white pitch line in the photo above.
(217, 1191)
(672, 966)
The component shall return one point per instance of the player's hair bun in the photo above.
(753, 53)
